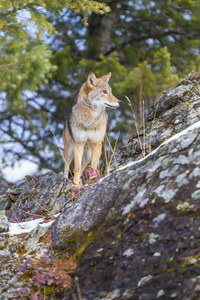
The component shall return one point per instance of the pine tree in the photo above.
(48, 47)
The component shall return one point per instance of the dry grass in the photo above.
(78, 290)
(187, 103)
(142, 147)
(108, 158)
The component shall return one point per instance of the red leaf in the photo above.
(7, 183)
(36, 296)
(50, 281)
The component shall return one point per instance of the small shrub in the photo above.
(46, 276)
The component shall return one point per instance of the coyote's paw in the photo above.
(78, 184)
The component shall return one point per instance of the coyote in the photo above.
(85, 126)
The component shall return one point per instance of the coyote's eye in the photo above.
(105, 92)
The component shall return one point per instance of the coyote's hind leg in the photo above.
(68, 152)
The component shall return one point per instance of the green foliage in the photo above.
(87, 7)
(28, 70)
(47, 51)
(164, 76)
(194, 65)
(25, 57)
(104, 65)
(154, 79)
(141, 75)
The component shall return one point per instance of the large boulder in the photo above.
(38, 195)
(172, 112)
(140, 227)
(136, 233)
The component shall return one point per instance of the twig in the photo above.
(143, 126)
(105, 153)
(31, 214)
(44, 208)
(78, 288)
(152, 124)
(21, 295)
(135, 122)
(8, 65)
(113, 150)
(191, 108)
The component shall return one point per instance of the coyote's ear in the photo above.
(106, 77)
(91, 80)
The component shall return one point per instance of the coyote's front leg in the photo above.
(78, 155)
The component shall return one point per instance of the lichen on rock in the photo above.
(135, 234)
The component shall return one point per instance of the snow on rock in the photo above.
(22, 227)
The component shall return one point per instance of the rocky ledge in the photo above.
(134, 234)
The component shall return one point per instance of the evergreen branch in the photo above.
(8, 65)
(55, 116)
(31, 151)
(135, 39)
(24, 129)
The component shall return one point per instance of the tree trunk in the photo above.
(100, 31)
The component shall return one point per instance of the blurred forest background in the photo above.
(48, 47)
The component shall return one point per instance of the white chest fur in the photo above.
(88, 125)
(89, 135)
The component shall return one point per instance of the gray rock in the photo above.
(151, 232)
(4, 224)
(41, 195)
(33, 239)
(136, 233)
(9, 248)
(38, 196)
(175, 110)
(82, 217)
(3, 202)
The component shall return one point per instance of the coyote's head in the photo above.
(99, 93)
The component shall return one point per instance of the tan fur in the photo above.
(87, 123)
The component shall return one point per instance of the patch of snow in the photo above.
(19, 171)
(47, 224)
(100, 180)
(24, 227)
(174, 137)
